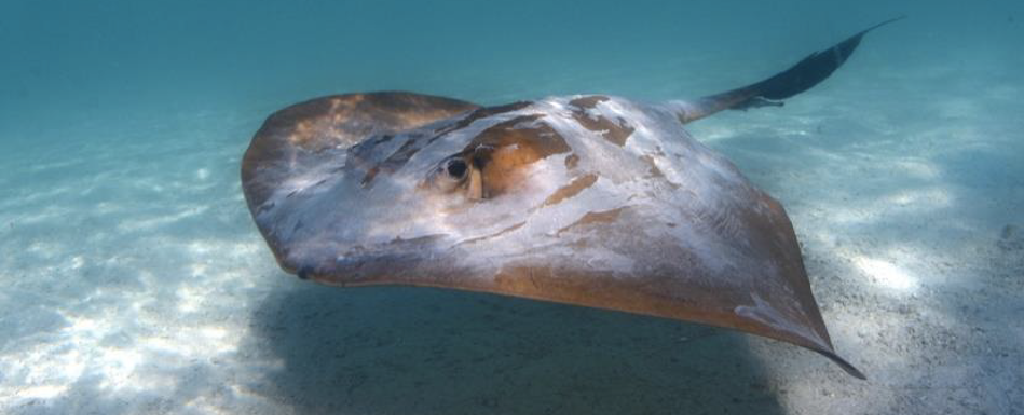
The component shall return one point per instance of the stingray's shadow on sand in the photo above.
(426, 351)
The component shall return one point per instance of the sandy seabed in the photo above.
(133, 280)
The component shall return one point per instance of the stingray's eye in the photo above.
(448, 175)
(457, 169)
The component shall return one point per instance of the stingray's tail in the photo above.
(770, 92)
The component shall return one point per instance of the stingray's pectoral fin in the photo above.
(807, 73)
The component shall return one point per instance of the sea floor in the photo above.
(132, 279)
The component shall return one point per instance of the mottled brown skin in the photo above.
(295, 132)
(574, 188)
(339, 120)
(617, 131)
(502, 151)
(499, 153)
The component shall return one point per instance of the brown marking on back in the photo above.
(649, 161)
(592, 217)
(655, 172)
(588, 102)
(574, 188)
(481, 113)
(347, 119)
(617, 131)
(394, 162)
(504, 149)
(571, 161)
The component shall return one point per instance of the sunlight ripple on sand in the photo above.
(886, 274)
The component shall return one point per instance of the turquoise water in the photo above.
(132, 279)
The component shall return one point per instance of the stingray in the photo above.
(590, 200)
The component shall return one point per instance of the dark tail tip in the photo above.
(844, 365)
(813, 69)
(894, 19)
